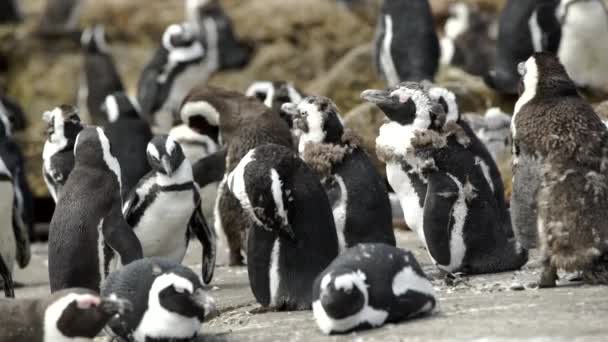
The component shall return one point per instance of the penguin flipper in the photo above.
(5, 273)
(120, 236)
(22, 239)
(198, 225)
(442, 194)
(210, 168)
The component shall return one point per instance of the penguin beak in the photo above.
(206, 302)
(167, 165)
(114, 305)
(379, 97)
(290, 109)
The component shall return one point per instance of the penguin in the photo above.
(88, 217)
(100, 77)
(244, 123)
(169, 303)
(467, 42)
(14, 112)
(293, 237)
(10, 12)
(22, 213)
(177, 66)
(63, 125)
(225, 50)
(555, 130)
(8, 248)
(74, 314)
(129, 135)
(164, 208)
(494, 130)
(358, 197)
(60, 18)
(406, 44)
(275, 94)
(461, 222)
(368, 285)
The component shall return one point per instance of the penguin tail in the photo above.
(598, 272)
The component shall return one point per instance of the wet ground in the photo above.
(494, 307)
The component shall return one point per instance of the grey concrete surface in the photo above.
(497, 307)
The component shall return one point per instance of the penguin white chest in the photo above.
(410, 203)
(7, 236)
(339, 211)
(162, 229)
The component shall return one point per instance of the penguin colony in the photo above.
(296, 196)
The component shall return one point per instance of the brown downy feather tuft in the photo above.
(452, 128)
(351, 139)
(428, 139)
(322, 157)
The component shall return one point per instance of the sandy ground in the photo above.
(483, 308)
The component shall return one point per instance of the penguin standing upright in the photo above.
(164, 207)
(60, 17)
(8, 248)
(169, 303)
(129, 135)
(275, 94)
(88, 217)
(63, 125)
(100, 77)
(359, 199)
(293, 237)
(370, 284)
(74, 314)
(406, 44)
(556, 131)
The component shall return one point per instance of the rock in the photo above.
(516, 287)
(366, 120)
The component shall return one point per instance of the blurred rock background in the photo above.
(323, 46)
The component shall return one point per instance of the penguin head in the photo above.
(180, 291)
(543, 75)
(63, 125)
(165, 155)
(274, 95)
(200, 114)
(119, 106)
(343, 293)
(80, 313)
(93, 149)
(315, 120)
(447, 100)
(182, 44)
(93, 40)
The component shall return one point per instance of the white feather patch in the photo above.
(407, 280)
(315, 121)
(110, 160)
(237, 182)
(437, 93)
(53, 313)
(386, 58)
(200, 108)
(485, 169)
(459, 214)
(274, 278)
(112, 108)
(530, 82)
(422, 102)
(277, 195)
(260, 87)
(339, 212)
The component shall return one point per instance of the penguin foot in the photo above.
(261, 310)
(455, 279)
(548, 277)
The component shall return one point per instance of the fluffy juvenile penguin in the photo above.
(129, 136)
(406, 44)
(369, 285)
(293, 237)
(555, 130)
(169, 303)
(461, 223)
(63, 125)
(357, 194)
(85, 222)
(275, 94)
(100, 77)
(177, 65)
(164, 208)
(74, 314)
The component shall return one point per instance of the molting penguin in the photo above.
(557, 132)
(129, 135)
(179, 64)
(169, 303)
(244, 123)
(293, 237)
(461, 222)
(74, 314)
(275, 94)
(100, 77)
(63, 125)
(357, 194)
(164, 208)
(85, 222)
(369, 285)
(406, 44)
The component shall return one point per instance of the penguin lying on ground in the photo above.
(293, 237)
(164, 207)
(560, 134)
(100, 77)
(357, 194)
(74, 314)
(129, 136)
(88, 217)
(244, 123)
(275, 94)
(169, 303)
(369, 285)
(406, 44)
(63, 125)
